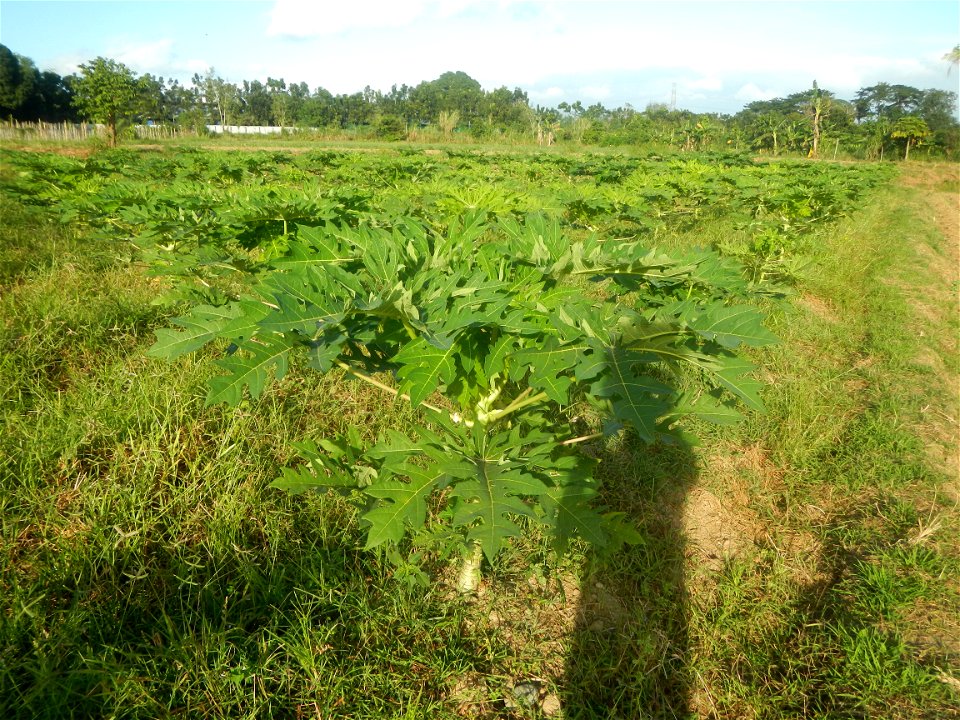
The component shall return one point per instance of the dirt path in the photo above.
(940, 184)
(938, 307)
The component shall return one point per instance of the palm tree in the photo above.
(953, 57)
(912, 129)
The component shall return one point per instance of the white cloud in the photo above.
(303, 19)
(612, 52)
(319, 18)
(193, 65)
(712, 83)
(158, 58)
(67, 64)
(751, 93)
(551, 93)
(595, 92)
(144, 57)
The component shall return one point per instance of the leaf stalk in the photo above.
(518, 404)
(376, 383)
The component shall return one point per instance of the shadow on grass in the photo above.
(263, 623)
(228, 601)
(843, 648)
(629, 654)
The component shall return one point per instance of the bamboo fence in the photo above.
(15, 130)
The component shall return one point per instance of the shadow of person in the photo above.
(628, 656)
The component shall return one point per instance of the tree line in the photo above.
(877, 121)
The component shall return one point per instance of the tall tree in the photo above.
(220, 98)
(451, 91)
(10, 81)
(177, 101)
(106, 92)
(870, 102)
(53, 99)
(151, 101)
(938, 109)
(256, 103)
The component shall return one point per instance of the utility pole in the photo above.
(673, 97)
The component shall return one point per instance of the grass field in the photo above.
(804, 563)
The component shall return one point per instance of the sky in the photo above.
(714, 56)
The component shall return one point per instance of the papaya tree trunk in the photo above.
(469, 578)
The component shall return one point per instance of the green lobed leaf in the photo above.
(730, 326)
(325, 350)
(549, 365)
(734, 374)
(489, 497)
(394, 449)
(496, 358)
(423, 367)
(314, 246)
(635, 399)
(203, 324)
(303, 304)
(260, 359)
(302, 479)
(402, 504)
(706, 407)
(572, 514)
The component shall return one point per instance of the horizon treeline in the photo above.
(880, 120)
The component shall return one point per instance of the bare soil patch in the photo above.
(717, 530)
(535, 617)
(719, 522)
(81, 152)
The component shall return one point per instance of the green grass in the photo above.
(845, 403)
(147, 570)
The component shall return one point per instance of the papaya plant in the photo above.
(494, 331)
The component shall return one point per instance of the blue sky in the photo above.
(719, 55)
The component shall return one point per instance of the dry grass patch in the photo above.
(819, 307)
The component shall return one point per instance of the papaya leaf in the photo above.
(549, 364)
(707, 407)
(250, 367)
(300, 480)
(395, 449)
(487, 499)
(730, 326)
(203, 324)
(301, 306)
(635, 399)
(423, 367)
(496, 359)
(402, 505)
(735, 374)
(572, 514)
